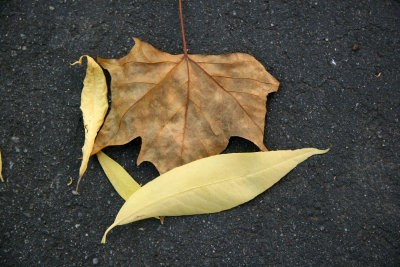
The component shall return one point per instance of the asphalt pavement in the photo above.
(338, 65)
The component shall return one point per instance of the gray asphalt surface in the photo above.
(341, 208)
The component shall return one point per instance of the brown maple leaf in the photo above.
(185, 107)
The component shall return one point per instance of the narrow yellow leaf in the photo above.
(123, 183)
(94, 105)
(210, 184)
(1, 168)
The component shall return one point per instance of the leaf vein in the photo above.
(223, 88)
(148, 92)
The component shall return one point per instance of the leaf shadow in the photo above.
(239, 145)
(108, 81)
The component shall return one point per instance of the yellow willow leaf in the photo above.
(210, 185)
(123, 183)
(94, 107)
(1, 168)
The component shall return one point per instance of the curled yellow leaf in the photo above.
(94, 107)
(210, 185)
(1, 168)
(123, 183)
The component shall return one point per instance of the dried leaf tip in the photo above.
(103, 240)
(94, 105)
(1, 168)
(79, 61)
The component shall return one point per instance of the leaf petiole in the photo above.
(183, 31)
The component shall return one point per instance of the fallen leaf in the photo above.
(94, 105)
(123, 183)
(1, 168)
(184, 107)
(210, 185)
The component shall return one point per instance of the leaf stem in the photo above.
(183, 31)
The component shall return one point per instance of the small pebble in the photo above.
(355, 47)
(95, 261)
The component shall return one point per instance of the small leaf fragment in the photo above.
(210, 184)
(94, 105)
(1, 168)
(123, 183)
